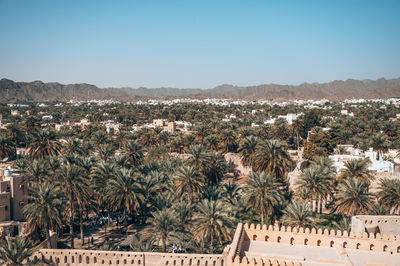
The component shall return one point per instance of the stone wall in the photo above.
(313, 237)
(383, 224)
(96, 257)
(235, 253)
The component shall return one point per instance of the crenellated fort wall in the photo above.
(314, 237)
(236, 254)
(96, 257)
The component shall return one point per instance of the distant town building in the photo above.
(377, 163)
(288, 117)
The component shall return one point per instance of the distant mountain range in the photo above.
(37, 91)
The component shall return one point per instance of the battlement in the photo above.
(319, 232)
(254, 244)
(97, 257)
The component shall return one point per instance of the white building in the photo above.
(377, 164)
(288, 117)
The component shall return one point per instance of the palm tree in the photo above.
(343, 225)
(44, 208)
(356, 168)
(150, 185)
(353, 197)
(16, 133)
(297, 214)
(14, 251)
(105, 151)
(326, 165)
(201, 131)
(380, 143)
(70, 180)
(379, 209)
(211, 221)
(43, 144)
(6, 147)
(122, 191)
(99, 176)
(231, 191)
(247, 151)
(272, 157)
(214, 167)
(228, 140)
(30, 124)
(262, 194)
(188, 181)
(184, 213)
(318, 183)
(389, 193)
(72, 146)
(198, 155)
(86, 164)
(212, 142)
(134, 153)
(99, 137)
(36, 172)
(161, 227)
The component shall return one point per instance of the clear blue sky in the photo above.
(200, 43)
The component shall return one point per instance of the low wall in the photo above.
(313, 237)
(386, 224)
(96, 257)
(235, 251)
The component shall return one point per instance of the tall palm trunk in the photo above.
(211, 242)
(71, 220)
(48, 236)
(320, 204)
(81, 224)
(262, 214)
(164, 243)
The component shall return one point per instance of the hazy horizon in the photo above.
(198, 44)
(245, 85)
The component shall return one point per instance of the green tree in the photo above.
(211, 222)
(161, 227)
(356, 168)
(353, 197)
(214, 167)
(44, 143)
(70, 179)
(188, 181)
(6, 147)
(44, 208)
(72, 146)
(272, 157)
(318, 183)
(318, 144)
(123, 191)
(261, 193)
(134, 153)
(14, 251)
(201, 132)
(17, 134)
(380, 143)
(247, 151)
(389, 193)
(297, 214)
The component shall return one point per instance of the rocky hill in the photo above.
(11, 91)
